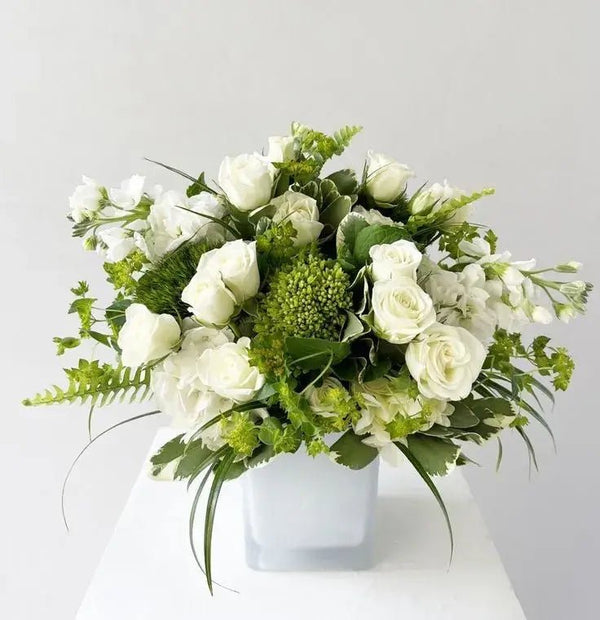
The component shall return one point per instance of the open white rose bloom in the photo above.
(282, 307)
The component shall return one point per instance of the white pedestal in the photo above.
(148, 573)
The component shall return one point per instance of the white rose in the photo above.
(389, 260)
(281, 148)
(146, 336)
(386, 178)
(373, 216)
(401, 309)
(117, 243)
(235, 262)
(85, 200)
(227, 371)
(247, 180)
(302, 212)
(129, 194)
(445, 361)
(433, 197)
(210, 301)
(174, 218)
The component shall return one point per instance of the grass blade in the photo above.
(500, 452)
(429, 482)
(84, 450)
(209, 520)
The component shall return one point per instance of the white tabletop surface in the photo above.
(148, 573)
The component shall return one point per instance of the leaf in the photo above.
(352, 452)
(194, 459)
(313, 353)
(213, 498)
(336, 211)
(169, 452)
(86, 448)
(462, 416)
(198, 186)
(353, 329)
(62, 344)
(345, 181)
(375, 234)
(437, 456)
(115, 313)
(429, 482)
(346, 234)
(97, 384)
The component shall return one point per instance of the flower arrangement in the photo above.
(279, 307)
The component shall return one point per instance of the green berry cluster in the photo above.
(307, 297)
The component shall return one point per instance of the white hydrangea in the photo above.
(180, 392)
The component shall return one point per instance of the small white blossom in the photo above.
(129, 194)
(85, 201)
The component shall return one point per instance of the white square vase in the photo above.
(305, 513)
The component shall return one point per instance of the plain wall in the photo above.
(498, 93)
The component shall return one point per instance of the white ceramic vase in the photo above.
(304, 513)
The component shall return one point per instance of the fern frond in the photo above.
(96, 384)
(317, 147)
(344, 136)
(447, 210)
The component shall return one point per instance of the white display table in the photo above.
(148, 573)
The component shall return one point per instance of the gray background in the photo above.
(501, 93)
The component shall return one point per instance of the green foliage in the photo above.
(62, 344)
(159, 289)
(314, 148)
(373, 235)
(445, 212)
(451, 238)
(352, 452)
(314, 353)
(169, 452)
(241, 433)
(281, 438)
(437, 456)
(122, 274)
(275, 245)
(96, 384)
(198, 186)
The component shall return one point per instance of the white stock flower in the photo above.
(129, 194)
(171, 225)
(445, 361)
(85, 201)
(390, 260)
(117, 243)
(146, 336)
(461, 298)
(247, 180)
(432, 198)
(386, 178)
(227, 371)
(302, 211)
(281, 148)
(401, 309)
(180, 393)
(235, 262)
(209, 300)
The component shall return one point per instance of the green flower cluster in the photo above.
(308, 298)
